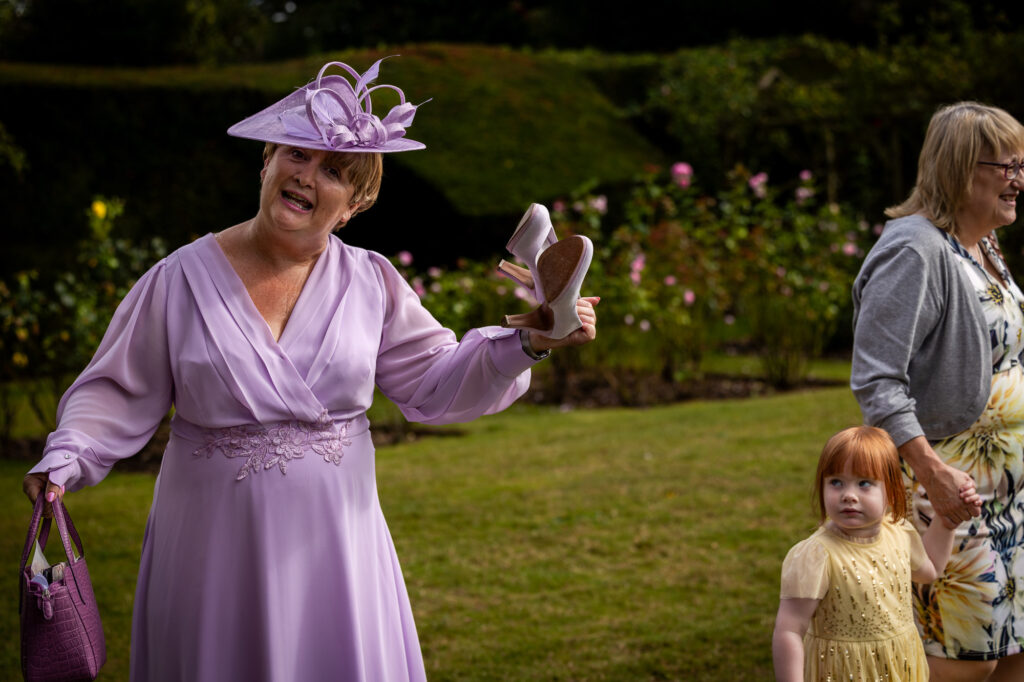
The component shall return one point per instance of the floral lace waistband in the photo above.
(265, 446)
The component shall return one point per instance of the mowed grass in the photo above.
(544, 545)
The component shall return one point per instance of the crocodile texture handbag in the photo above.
(61, 634)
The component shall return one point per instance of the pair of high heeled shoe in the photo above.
(553, 274)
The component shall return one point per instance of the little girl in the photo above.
(845, 611)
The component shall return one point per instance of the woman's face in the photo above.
(992, 201)
(303, 191)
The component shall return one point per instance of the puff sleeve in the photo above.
(918, 555)
(805, 571)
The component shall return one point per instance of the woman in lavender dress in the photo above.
(266, 555)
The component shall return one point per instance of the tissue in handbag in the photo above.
(61, 633)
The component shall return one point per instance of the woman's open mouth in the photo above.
(297, 200)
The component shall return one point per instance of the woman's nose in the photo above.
(304, 175)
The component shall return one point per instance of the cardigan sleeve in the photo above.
(897, 303)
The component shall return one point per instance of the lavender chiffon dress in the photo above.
(266, 555)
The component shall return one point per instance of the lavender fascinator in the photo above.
(329, 113)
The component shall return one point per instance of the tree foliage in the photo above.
(156, 32)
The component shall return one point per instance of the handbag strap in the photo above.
(65, 527)
(33, 526)
(67, 530)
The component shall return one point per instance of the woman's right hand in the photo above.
(943, 490)
(35, 484)
(941, 482)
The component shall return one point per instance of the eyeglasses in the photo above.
(1010, 170)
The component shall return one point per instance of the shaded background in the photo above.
(130, 98)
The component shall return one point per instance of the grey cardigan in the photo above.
(922, 359)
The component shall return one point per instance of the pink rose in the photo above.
(758, 183)
(682, 168)
(405, 258)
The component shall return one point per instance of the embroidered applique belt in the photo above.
(265, 446)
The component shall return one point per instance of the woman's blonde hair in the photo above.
(957, 136)
(364, 171)
(870, 453)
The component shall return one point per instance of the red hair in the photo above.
(868, 452)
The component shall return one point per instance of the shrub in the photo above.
(51, 324)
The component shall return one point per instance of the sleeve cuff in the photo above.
(902, 427)
(508, 355)
(62, 468)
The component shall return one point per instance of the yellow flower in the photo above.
(21, 333)
(99, 209)
(20, 359)
(993, 445)
(964, 602)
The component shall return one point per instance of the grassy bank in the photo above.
(583, 545)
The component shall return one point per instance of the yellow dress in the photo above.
(863, 629)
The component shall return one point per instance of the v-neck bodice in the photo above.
(278, 377)
(242, 294)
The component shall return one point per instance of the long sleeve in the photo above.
(432, 377)
(898, 307)
(116, 404)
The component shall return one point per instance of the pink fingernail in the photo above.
(62, 490)
(50, 496)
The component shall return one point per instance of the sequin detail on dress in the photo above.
(264, 447)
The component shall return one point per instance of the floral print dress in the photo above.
(975, 611)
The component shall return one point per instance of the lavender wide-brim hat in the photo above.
(330, 114)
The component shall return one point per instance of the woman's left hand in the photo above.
(585, 334)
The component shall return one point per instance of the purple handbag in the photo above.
(61, 634)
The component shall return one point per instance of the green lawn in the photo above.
(547, 545)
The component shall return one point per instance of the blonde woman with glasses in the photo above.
(938, 336)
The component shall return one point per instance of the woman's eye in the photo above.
(333, 172)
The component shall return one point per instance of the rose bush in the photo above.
(51, 323)
(683, 273)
